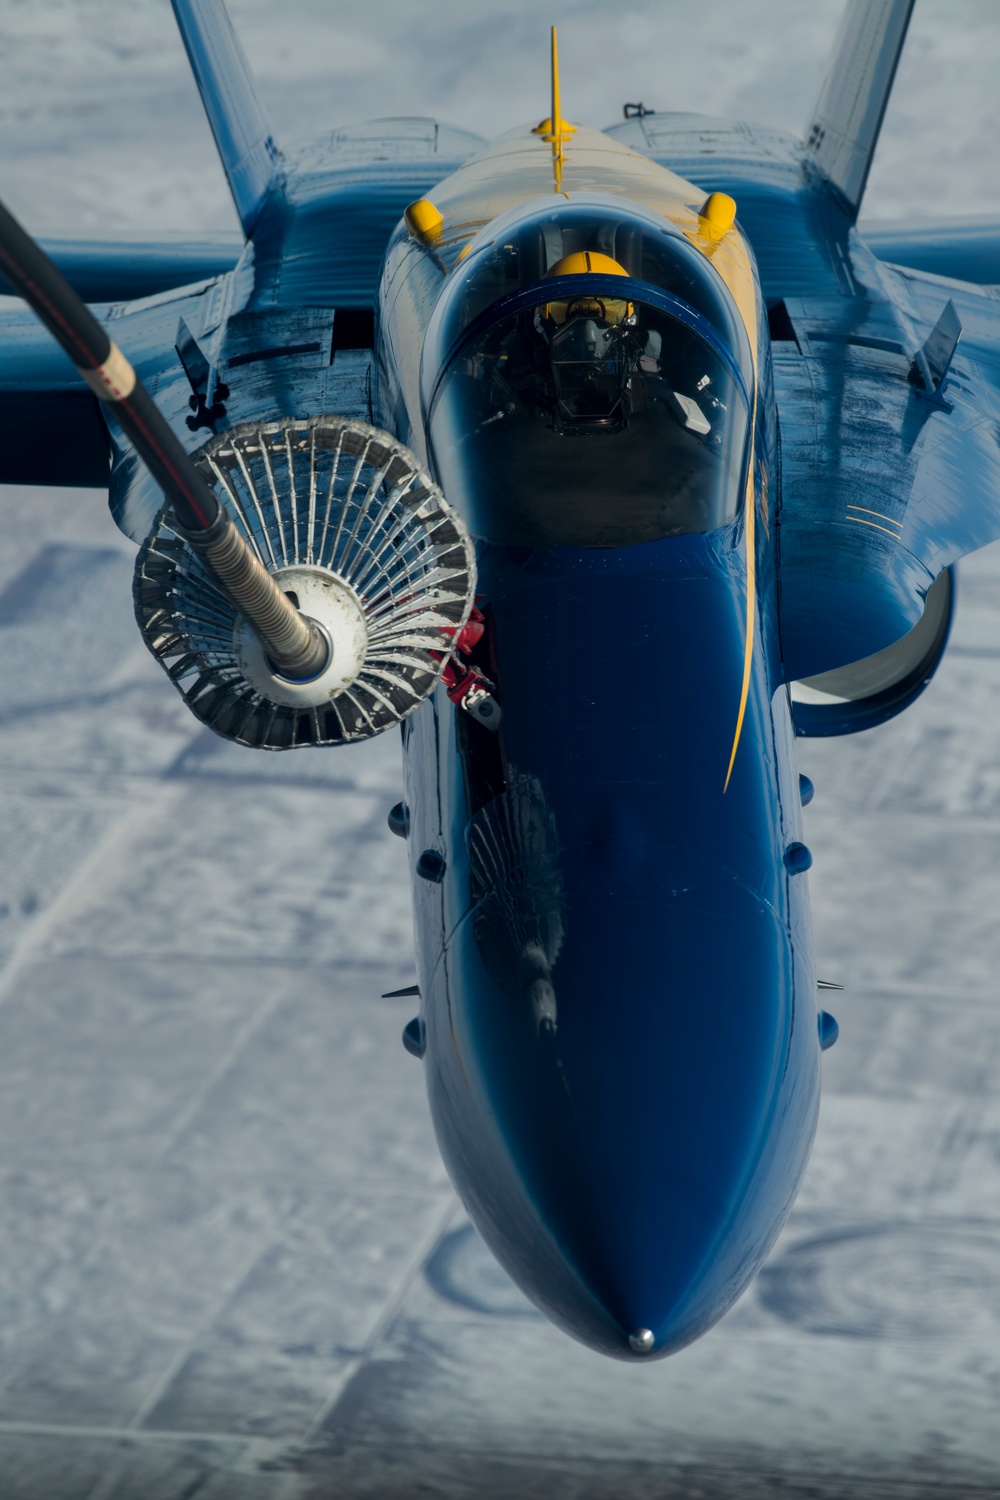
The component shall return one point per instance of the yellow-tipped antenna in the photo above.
(556, 115)
(554, 128)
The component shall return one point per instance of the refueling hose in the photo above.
(296, 646)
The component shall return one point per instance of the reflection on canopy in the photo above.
(533, 242)
(590, 420)
(595, 322)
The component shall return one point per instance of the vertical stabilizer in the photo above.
(240, 126)
(848, 115)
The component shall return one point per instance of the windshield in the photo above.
(585, 416)
(591, 233)
(587, 380)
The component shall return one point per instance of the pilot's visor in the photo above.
(612, 310)
(570, 414)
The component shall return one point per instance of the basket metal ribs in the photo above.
(345, 519)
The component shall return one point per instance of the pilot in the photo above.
(596, 347)
(614, 310)
(592, 346)
(572, 362)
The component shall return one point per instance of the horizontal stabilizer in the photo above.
(848, 115)
(961, 249)
(241, 128)
(126, 266)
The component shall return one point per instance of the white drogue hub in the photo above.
(336, 608)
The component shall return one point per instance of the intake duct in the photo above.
(347, 522)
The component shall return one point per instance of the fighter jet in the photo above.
(601, 464)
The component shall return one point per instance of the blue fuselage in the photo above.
(616, 973)
(618, 1001)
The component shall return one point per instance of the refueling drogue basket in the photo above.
(348, 501)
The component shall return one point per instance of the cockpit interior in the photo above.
(593, 383)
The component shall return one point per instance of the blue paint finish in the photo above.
(318, 245)
(250, 158)
(890, 478)
(131, 266)
(431, 866)
(321, 241)
(847, 716)
(624, 1102)
(414, 1038)
(399, 820)
(628, 1151)
(796, 227)
(856, 436)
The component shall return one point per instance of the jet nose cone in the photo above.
(658, 1266)
(624, 1061)
(633, 1269)
(637, 1141)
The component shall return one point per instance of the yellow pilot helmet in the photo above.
(611, 309)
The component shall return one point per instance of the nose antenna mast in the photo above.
(557, 119)
(555, 128)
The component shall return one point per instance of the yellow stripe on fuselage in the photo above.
(750, 626)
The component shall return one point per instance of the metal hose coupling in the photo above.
(297, 647)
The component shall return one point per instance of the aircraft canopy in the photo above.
(594, 385)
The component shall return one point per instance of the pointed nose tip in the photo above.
(644, 1290)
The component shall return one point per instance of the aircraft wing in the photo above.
(124, 266)
(361, 177)
(885, 483)
(51, 431)
(332, 205)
